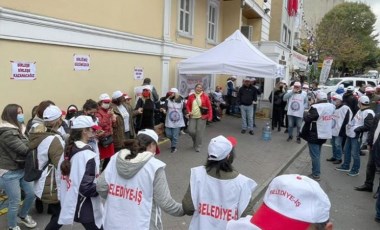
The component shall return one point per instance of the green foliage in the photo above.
(345, 34)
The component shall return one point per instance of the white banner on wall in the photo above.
(138, 73)
(327, 63)
(23, 70)
(187, 82)
(81, 62)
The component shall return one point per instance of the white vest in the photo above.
(174, 115)
(43, 158)
(338, 118)
(70, 189)
(324, 122)
(358, 121)
(129, 201)
(296, 105)
(218, 201)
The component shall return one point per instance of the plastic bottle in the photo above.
(267, 132)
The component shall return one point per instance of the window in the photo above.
(212, 27)
(360, 83)
(371, 83)
(347, 83)
(289, 37)
(285, 34)
(186, 16)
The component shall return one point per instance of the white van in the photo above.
(332, 83)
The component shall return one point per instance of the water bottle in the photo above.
(267, 132)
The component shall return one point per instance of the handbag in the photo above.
(106, 141)
(204, 110)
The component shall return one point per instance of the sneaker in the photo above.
(197, 150)
(316, 178)
(337, 162)
(289, 138)
(340, 168)
(298, 140)
(251, 132)
(331, 159)
(286, 131)
(183, 132)
(15, 228)
(353, 173)
(243, 131)
(173, 149)
(27, 221)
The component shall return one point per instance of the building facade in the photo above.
(118, 39)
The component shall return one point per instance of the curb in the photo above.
(259, 193)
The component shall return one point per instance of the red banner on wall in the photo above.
(292, 7)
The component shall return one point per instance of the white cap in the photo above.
(220, 147)
(117, 94)
(247, 79)
(350, 88)
(321, 96)
(305, 86)
(126, 96)
(173, 90)
(364, 100)
(341, 86)
(234, 77)
(241, 223)
(82, 122)
(293, 201)
(369, 89)
(149, 132)
(283, 81)
(337, 97)
(104, 97)
(297, 83)
(52, 113)
(71, 108)
(253, 79)
(147, 87)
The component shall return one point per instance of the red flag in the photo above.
(292, 7)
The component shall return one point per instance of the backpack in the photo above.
(32, 173)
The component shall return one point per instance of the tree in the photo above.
(345, 33)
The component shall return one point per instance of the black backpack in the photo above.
(32, 173)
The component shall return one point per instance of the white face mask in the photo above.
(105, 106)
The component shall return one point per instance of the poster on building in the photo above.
(23, 70)
(327, 63)
(186, 83)
(299, 61)
(138, 73)
(81, 62)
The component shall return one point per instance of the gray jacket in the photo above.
(13, 145)
(161, 193)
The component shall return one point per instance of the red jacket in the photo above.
(205, 103)
(105, 121)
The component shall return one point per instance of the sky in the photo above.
(375, 7)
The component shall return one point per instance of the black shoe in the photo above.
(363, 188)
(362, 153)
(173, 149)
(272, 127)
(337, 162)
(254, 125)
(289, 138)
(279, 129)
(243, 131)
(375, 195)
(286, 131)
(331, 159)
(377, 220)
(39, 206)
(298, 140)
(251, 132)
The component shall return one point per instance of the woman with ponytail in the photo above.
(79, 200)
(135, 187)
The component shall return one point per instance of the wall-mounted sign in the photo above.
(81, 62)
(23, 70)
(138, 73)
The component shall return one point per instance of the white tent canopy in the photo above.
(235, 56)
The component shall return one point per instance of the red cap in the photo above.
(232, 140)
(64, 112)
(96, 127)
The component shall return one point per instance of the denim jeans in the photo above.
(352, 148)
(254, 114)
(173, 134)
(336, 143)
(13, 182)
(246, 117)
(315, 155)
(293, 120)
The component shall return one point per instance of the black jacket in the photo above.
(247, 95)
(375, 146)
(350, 100)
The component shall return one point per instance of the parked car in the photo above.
(373, 73)
(332, 83)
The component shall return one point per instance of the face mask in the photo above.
(105, 106)
(146, 94)
(20, 118)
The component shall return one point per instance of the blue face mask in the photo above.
(20, 118)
